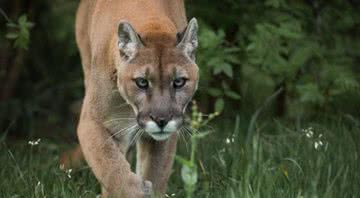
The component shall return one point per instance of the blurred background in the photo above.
(310, 49)
(278, 66)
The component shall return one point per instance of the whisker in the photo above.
(189, 131)
(141, 133)
(125, 104)
(123, 115)
(122, 105)
(118, 132)
(115, 90)
(210, 127)
(193, 130)
(135, 137)
(117, 119)
(181, 132)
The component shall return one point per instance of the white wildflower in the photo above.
(228, 141)
(318, 144)
(35, 142)
(68, 173)
(309, 132)
(321, 143)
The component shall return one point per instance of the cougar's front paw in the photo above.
(138, 188)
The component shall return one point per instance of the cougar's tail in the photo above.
(72, 159)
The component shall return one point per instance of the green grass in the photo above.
(278, 160)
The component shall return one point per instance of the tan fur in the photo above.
(157, 22)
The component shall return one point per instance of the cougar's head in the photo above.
(158, 77)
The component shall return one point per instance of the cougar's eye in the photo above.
(142, 83)
(179, 82)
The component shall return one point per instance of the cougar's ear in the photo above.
(129, 41)
(188, 41)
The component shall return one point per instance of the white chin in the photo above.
(160, 136)
(155, 132)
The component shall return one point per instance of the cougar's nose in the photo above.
(160, 121)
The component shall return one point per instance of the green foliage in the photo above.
(217, 60)
(20, 33)
(49, 78)
(189, 172)
(310, 93)
(293, 55)
(301, 46)
(247, 50)
(281, 160)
